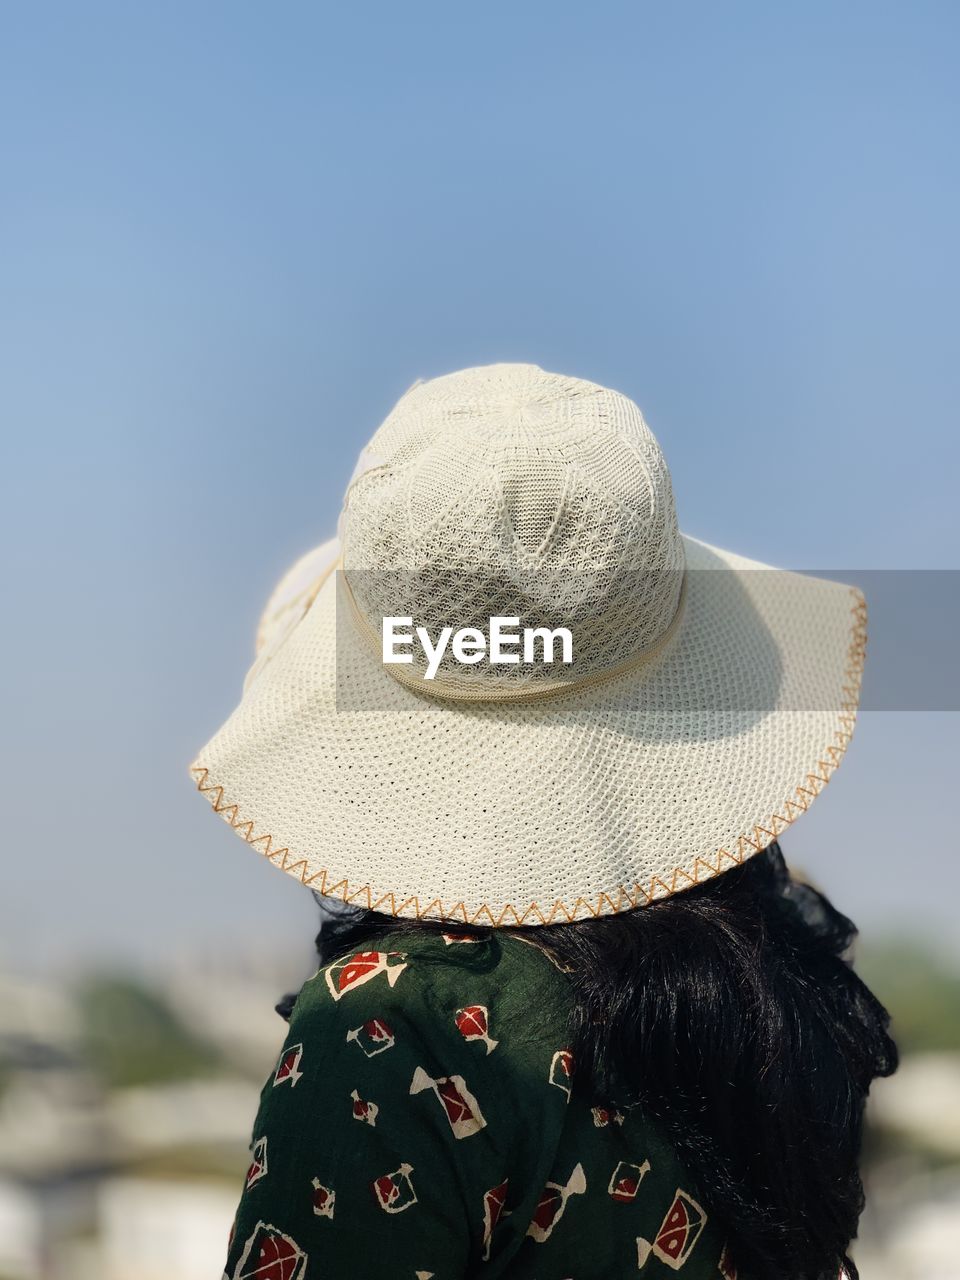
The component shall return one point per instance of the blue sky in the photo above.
(232, 234)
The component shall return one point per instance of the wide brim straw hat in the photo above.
(710, 701)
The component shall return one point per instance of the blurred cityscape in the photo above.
(126, 1104)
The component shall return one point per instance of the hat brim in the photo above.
(586, 803)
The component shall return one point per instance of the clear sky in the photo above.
(231, 234)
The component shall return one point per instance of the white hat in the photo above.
(707, 701)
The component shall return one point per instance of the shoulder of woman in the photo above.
(414, 1073)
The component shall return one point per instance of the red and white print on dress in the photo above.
(324, 1199)
(270, 1255)
(602, 1116)
(373, 1037)
(680, 1230)
(394, 1191)
(353, 971)
(493, 1210)
(364, 1111)
(561, 1070)
(473, 1023)
(459, 1104)
(625, 1180)
(288, 1068)
(553, 1201)
(727, 1269)
(258, 1163)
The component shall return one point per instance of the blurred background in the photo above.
(231, 235)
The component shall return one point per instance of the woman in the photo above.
(574, 1018)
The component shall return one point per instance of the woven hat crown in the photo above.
(513, 491)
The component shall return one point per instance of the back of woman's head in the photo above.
(730, 1013)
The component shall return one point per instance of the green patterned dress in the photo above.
(420, 1124)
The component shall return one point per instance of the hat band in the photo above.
(471, 692)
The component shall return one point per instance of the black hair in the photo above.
(731, 1013)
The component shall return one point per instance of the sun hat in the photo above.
(704, 704)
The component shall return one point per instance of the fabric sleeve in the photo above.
(391, 1138)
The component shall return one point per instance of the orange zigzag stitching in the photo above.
(660, 887)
